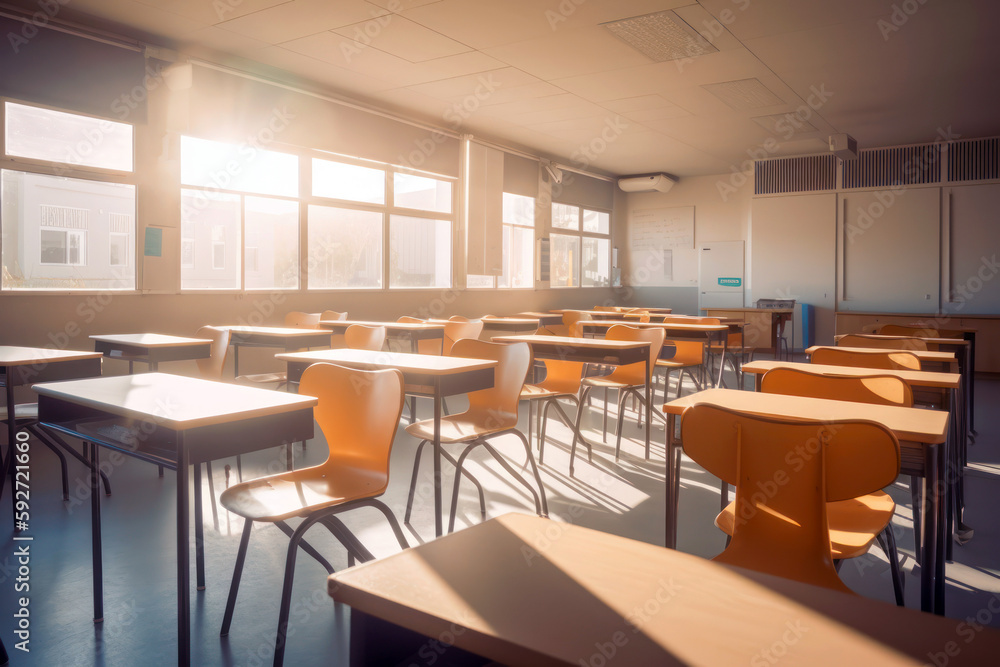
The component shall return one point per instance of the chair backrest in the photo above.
(687, 352)
(300, 320)
(498, 404)
(562, 376)
(456, 330)
(406, 319)
(886, 360)
(358, 413)
(211, 367)
(785, 472)
(894, 343)
(632, 374)
(364, 337)
(571, 317)
(906, 330)
(610, 309)
(641, 313)
(874, 388)
(333, 315)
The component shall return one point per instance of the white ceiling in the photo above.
(546, 76)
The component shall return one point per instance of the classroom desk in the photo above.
(510, 324)
(423, 375)
(544, 319)
(764, 324)
(922, 437)
(933, 358)
(672, 330)
(151, 348)
(21, 366)
(522, 590)
(593, 351)
(177, 421)
(285, 338)
(412, 332)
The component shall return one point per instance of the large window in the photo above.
(580, 247)
(239, 217)
(518, 246)
(68, 201)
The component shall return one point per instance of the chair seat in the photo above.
(666, 363)
(460, 428)
(263, 378)
(853, 523)
(605, 381)
(21, 411)
(530, 392)
(297, 493)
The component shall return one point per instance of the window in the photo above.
(67, 218)
(582, 259)
(345, 248)
(421, 192)
(420, 252)
(338, 180)
(518, 246)
(239, 217)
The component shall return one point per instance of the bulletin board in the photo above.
(661, 244)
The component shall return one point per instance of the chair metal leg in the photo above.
(413, 481)
(63, 468)
(916, 504)
(887, 541)
(623, 394)
(308, 548)
(539, 509)
(576, 433)
(455, 486)
(479, 487)
(538, 477)
(234, 587)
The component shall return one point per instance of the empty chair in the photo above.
(364, 337)
(641, 313)
(333, 315)
(630, 379)
(893, 343)
(492, 412)
(688, 356)
(887, 360)
(786, 473)
(562, 380)
(609, 309)
(299, 320)
(458, 329)
(358, 413)
(571, 318)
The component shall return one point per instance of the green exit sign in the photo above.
(730, 282)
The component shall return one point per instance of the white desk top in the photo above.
(913, 378)
(524, 590)
(151, 340)
(11, 355)
(911, 424)
(569, 342)
(287, 332)
(400, 326)
(174, 401)
(922, 355)
(429, 364)
(673, 326)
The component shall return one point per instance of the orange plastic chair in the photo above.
(886, 360)
(570, 320)
(689, 355)
(211, 367)
(492, 412)
(358, 413)
(458, 328)
(628, 380)
(786, 473)
(364, 337)
(642, 314)
(562, 380)
(609, 309)
(333, 315)
(894, 343)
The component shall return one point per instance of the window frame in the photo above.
(510, 227)
(580, 234)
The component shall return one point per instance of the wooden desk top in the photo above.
(151, 340)
(174, 401)
(913, 378)
(526, 321)
(398, 326)
(522, 590)
(11, 355)
(673, 326)
(569, 342)
(283, 332)
(926, 339)
(427, 364)
(922, 355)
(911, 424)
(783, 311)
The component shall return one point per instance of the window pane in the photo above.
(518, 210)
(345, 248)
(565, 266)
(419, 252)
(272, 231)
(522, 255)
(56, 136)
(119, 249)
(348, 181)
(210, 225)
(213, 164)
(596, 263)
(596, 221)
(57, 232)
(478, 282)
(565, 216)
(420, 192)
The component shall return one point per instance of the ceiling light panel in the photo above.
(661, 37)
(744, 94)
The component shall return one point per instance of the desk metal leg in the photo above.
(8, 471)
(649, 404)
(95, 531)
(199, 531)
(929, 541)
(671, 523)
(183, 557)
(437, 464)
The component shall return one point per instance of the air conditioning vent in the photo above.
(974, 160)
(795, 174)
(893, 167)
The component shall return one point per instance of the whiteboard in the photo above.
(662, 228)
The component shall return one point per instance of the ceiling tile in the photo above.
(301, 18)
(402, 38)
(214, 11)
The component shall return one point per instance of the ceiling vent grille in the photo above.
(974, 160)
(661, 37)
(795, 174)
(893, 167)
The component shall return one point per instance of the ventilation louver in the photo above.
(795, 174)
